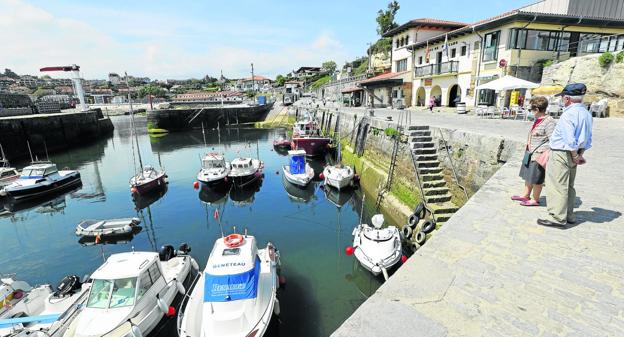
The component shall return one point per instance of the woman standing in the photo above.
(537, 143)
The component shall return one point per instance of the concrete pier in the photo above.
(491, 271)
(56, 131)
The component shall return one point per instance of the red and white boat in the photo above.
(148, 180)
(307, 137)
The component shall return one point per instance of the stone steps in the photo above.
(429, 170)
(418, 128)
(431, 177)
(421, 139)
(437, 198)
(434, 183)
(426, 157)
(428, 163)
(422, 145)
(420, 134)
(425, 151)
(429, 191)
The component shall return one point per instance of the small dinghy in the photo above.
(24, 309)
(378, 249)
(298, 172)
(282, 144)
(338, 176)
(108, 228)
(132, 292)
(236, 293)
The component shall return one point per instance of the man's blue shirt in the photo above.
(574, 129)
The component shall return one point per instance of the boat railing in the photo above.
(184, 302)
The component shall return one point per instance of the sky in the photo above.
(190, 39)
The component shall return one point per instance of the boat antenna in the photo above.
(136, 137)
(45, 146)
(134, 166)
(30, 151)
(204, 134)
(362, 210)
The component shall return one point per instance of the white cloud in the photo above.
(141, 44)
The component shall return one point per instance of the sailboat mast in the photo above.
(136, 137)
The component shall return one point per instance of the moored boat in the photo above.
(377, 249)
(26, 308)
(148, 180)
(298, 171)
(214, 171)
(245, 171)
(40, 179)
(338, 176)
(8, 174)
(282, 144)
(307, 137)
(236, 295)
(131, 293)
(108, 228)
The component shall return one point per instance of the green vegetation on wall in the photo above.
(320, 82)
(619, 58)
(606, 59)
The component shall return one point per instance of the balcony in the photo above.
(437, 69)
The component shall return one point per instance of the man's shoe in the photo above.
(548, 223)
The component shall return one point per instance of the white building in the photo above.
(257, 83)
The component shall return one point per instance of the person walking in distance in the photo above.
(570, 140)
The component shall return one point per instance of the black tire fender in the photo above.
(412, 221)
(419, 211)
(421, 237)
(429, 226)
(406, 231)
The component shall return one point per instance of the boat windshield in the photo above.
(30, 172)
(112, 293)
(213, 164)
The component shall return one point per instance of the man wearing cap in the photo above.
(570, 139)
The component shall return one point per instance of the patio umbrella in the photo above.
(548, 90)
(507, 83)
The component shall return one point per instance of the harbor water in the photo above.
(310, 227)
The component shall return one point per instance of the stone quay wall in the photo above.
(52, 131)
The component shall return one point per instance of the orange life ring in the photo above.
(234, 240)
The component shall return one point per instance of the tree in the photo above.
(280, 80)
(329, 66)
(150, 91)
(40, 92)
(385, 19)
(9, 73)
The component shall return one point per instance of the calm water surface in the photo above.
(324, 286)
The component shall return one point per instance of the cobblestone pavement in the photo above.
(491, 271)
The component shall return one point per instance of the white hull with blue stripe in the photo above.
(236, 293)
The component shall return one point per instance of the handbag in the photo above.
(542, 159)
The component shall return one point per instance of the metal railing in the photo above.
(437, 69)
(448, 154)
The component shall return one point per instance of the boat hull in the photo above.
(313, 146)
(151, 185)
(338, 179)
(33, 192)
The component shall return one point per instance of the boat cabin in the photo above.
(307, 127)
(149, 172)
(7, 172)
(297, 161)
(38, 171)
(241, 163)
(213, 161)
(124, 279)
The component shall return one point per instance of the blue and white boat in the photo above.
(298, 171)
(40, 179)
(236, 293)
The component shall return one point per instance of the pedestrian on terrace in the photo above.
(537, 146)
(571, 138)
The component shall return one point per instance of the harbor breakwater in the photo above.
(53, 132)
(210, 117)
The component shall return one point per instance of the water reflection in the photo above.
(142, 201)
(300, 194)
(51, 204)
(338, 197)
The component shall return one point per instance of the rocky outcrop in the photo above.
(601, 82)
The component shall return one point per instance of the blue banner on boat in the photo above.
(225, 288)
(43, 319)
(297, 165)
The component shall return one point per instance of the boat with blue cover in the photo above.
(236, 295)
(40, 179)
(298, 171)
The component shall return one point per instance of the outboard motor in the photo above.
(184, 249)
(68, 286)
(166, 253)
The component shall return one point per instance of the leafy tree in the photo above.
(9, 73)
(329, 66)
(385, 19)
(40, 92)
(280, 80)
(150, 91)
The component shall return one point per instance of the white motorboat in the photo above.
(236, 293)
(244, 171)
(132, 292)
(26, 309)
(107, 228)
(338, 176)
(39, 179)
(378, 249)
(7, 173)
(214, 170)
(298, 171)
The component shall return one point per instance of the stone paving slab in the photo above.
(491, 271)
